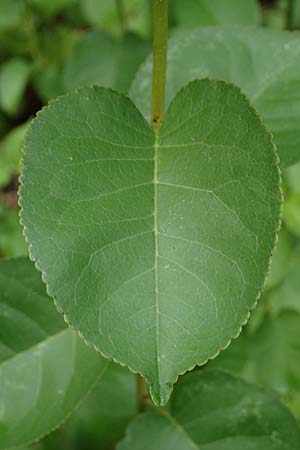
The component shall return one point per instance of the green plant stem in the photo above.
(142, 393)
(160, 38)
(122, 15)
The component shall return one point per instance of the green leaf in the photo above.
(265, 64)
(199, 13)
(281, 259)
(275, 17)
(101, 419)
(293, 8)
(100, 59)
(3, 125)
(12, 242)
(45, 368)
(11, 13)
(212, 410)
(269, 356)
(14, 75)
(286, 296)
(56, 47)
(276, 352)
(10, 153)
(292, 177)
(152, 246)
(291, 213)
(51, 8)
(104, 14)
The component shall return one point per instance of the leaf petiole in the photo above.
(160, 37)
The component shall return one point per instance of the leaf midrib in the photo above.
(155, 181)
(178, 427)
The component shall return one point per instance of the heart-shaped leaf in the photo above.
(264, 63)
(45, 368)
(212, 410)
(155, 248)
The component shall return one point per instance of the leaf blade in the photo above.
(32, 338)
(131, 202)
(197, 13)
(214, 410)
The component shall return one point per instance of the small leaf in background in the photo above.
(11, 13)
(212, 410)
(100, 59)
(12, 242)
(265, 64)
(269, 356)
(280, 259)
(55, 47)
(45, 368)
(287, 295)
(291, 213)
(275, 15)
(104, 14)
(14, 75)
(293, 7)
(51, 8)
(276, 352)
(201, 13)
(10, 153)
(292, 177)
(164, 238)
(101, 419)
(268, 352)
(3, 125)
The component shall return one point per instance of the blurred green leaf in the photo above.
(212, 410)
(14, 75)
(11, 13)
(264, 63)
(55, 47)
(287, 295)
(291, 213)
(275, 349)
(3, 126)
(275, 15)
(12, 242)
(48, 82)
(292, 177)
(100, 59)
(10, 153)
(102, 417)
(293, 7)
(281, 258)
(104, 14)
(45, 368)
(268, 351)
(201, 13)
(51, 7)
(14, 43)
